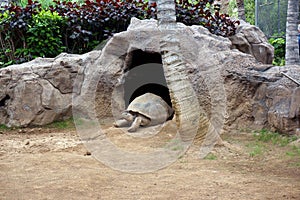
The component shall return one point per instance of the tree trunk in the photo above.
(190, 118)
(241, 9)
(180, 88)
(224, 5)
(292, 48)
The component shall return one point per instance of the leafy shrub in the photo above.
(279, 50)
(34, 30)
(14, 21)
(250, 11)
(202, 13)
(96, 21)
(44, 37)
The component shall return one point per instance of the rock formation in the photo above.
(255, 95)
(40, 92)
(251, 40)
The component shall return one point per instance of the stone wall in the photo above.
(257, 96)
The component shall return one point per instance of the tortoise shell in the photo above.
(152, 107)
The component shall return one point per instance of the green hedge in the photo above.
(33, 30)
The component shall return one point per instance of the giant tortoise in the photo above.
(145, 110)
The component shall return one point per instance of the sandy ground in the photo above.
(45, 163)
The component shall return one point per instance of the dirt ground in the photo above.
(49, 163)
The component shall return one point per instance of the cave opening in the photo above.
(3, 101)
(145, 74)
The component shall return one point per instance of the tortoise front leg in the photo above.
(121, 123)
(136, 124)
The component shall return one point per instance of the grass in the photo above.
(65, 124)
(276, 139)
(256, 149)
(4, 127)
(265, 140)
(210, 156)
(294, 152)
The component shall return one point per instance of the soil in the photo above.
(49, 163)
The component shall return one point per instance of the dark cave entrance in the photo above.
(3, 101)
(145, 74)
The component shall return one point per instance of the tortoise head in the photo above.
(128, 116)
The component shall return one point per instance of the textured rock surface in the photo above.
(278, 103)
(40, 91)
(256, 95)
(251, 40)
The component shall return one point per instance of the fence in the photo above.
(270, 16)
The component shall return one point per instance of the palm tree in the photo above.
(292, 48)
(241, 9)
(190, 118)
(180, 89)
(224, 5)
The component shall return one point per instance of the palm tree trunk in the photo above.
(191, 120)
(241, 9)
(224, 5)
(184, 99)
(292, 48)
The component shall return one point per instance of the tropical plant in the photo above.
(79, 27)
(14, 21)
(279, 50)
(44, 38)
(250, 11)
(247, 8)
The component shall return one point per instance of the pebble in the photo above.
(27, 142)
(22, 131)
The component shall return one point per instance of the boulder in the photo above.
(251, 40)
(232, 86)
(278, 103)
(39, 92)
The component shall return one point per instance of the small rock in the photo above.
(88, 153)
(27, 142)
(22, 131)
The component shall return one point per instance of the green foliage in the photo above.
(265, 138)
(295, 151)
(14, 21)
(4, 127)
(256, 149)
(44, 36)
(250, 11)
(279, 50)
(65, 124)
(276, 139)
(210, 156)
(46, 3)
(44, 29)
(233, 11)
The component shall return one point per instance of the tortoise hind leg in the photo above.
(136, 124)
